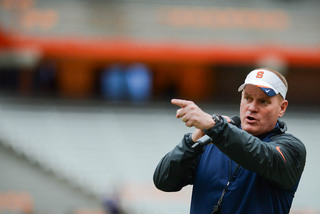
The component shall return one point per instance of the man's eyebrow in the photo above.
(266, 97)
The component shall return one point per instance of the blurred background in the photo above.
(85, 89)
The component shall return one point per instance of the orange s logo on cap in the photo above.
(260, 74)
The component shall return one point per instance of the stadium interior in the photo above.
(85, 89)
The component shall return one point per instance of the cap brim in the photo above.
(265, 87)
(241, 87)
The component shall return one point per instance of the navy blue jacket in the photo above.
(270, 168)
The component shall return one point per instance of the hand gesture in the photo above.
(192, 115)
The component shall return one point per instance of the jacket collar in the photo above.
(280, 128)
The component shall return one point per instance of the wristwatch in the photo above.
(217, 118)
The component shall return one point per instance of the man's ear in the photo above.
(283, 107)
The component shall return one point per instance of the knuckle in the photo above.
(190, 103)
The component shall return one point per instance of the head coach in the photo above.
(249, 165)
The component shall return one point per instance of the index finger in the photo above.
(179, 102)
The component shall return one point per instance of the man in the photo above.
(254, 168)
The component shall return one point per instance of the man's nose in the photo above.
(253, 106)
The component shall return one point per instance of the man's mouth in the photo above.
(251, 119)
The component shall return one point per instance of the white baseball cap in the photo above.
(267, 81)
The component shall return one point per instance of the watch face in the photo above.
(216, 118)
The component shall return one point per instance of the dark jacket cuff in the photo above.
(216, 131)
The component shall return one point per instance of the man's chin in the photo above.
(251, 129)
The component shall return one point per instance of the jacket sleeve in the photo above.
(281, 160)
(176, 169)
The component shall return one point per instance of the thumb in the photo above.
(197, 134)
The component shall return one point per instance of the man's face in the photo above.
(258, 111)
